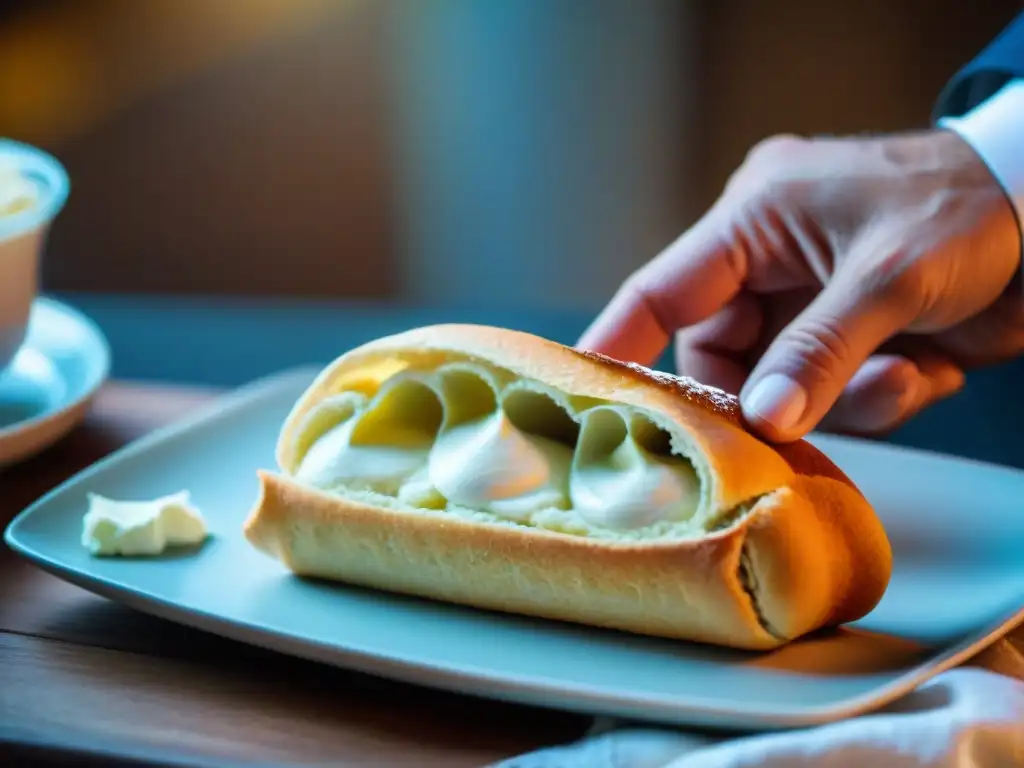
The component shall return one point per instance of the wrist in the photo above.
(995, 131)
(942, 190)
(996, 199)
(941, 155)
(991, 203)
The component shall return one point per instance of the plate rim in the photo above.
(98, 379)
(467, 679)
(522, 689)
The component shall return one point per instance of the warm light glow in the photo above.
(63, 69)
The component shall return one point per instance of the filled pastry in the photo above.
(496, 469)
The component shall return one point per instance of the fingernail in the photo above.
(777, 400)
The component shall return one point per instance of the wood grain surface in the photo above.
(86, 681)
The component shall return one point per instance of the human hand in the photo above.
(846, 283)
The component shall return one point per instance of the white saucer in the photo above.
(48, 386)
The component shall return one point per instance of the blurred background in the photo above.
(524, 152)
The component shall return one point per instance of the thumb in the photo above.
(805, 369)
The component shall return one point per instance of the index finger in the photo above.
(686, 283)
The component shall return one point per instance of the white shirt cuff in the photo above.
(995, 130)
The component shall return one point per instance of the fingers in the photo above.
(716, 351)
(888, 390)
(990, 337)
(808, 365)
(880, 394)
(688, 282)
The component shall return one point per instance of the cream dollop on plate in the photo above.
(134, 528)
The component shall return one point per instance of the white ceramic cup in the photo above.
(22, 240)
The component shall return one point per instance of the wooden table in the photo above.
(86, 681)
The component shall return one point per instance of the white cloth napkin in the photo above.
(971, 717)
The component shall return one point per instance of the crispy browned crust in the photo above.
(810, 553)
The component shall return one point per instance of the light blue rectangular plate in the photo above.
(957, 529)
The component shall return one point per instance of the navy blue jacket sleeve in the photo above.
(989, 71)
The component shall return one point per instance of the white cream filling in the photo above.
(491, 465)
(457, 439)
(617, 483)
(334, 461)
